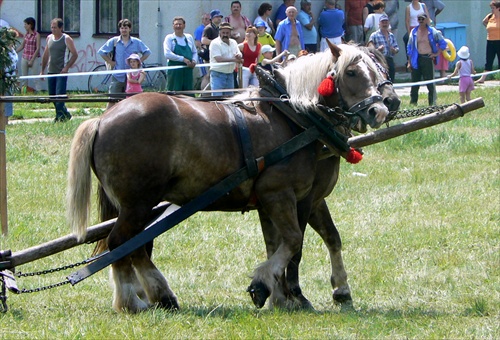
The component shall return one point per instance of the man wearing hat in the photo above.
(424, 45)
(384, 41)
(210, 32)
(223, 50)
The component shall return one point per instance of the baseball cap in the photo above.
(215, 13)
(260, 23)
(422, 15)
(267, 48)
(305, 1)
(383, 17)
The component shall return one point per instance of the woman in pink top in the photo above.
(30, 64)
(134, 79)
(250, 48)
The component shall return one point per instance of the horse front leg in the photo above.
(321, 221)
(292, 270)
(281, 210)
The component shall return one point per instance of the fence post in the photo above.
(3, 174)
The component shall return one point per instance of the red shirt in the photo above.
(249, 56)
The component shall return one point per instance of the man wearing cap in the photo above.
(306, 19)
(223, 50)
(210, 33)
(179, 49)
(424, 45)
(384, 41)
(289, 33)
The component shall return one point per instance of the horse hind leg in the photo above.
(125, 297)
(155, 285)
(136, 267)
(321, 221)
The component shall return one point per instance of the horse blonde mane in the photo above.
(304, 75)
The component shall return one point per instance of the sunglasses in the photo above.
(421, 19)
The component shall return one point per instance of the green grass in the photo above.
(420, 230)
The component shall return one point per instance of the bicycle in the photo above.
(154, 82)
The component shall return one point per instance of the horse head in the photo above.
(354, 82)
(386, 88)
(357, 83)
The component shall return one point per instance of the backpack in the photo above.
(112, 54)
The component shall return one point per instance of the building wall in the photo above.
(155, 17)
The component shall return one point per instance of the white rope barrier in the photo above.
(146, 69)
(437, 80)
(166, 68)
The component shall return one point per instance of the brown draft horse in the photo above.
(314, 211)
(154, 147)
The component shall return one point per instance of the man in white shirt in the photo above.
(223, 50)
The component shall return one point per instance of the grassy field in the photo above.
(419, 218)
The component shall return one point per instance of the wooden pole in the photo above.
(3, 173)
(94, 233)
(381, 135)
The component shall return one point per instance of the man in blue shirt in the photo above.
(331, 24)
(123, 46)
(289, 33)
(424, 45)
(306, 19)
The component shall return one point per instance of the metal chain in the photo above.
(49, 271)
(416, 112)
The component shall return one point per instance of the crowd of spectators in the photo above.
(293, 30)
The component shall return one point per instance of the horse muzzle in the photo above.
(370, 111)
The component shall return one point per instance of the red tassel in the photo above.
(354, 156)
(327, 87)
(252, 68)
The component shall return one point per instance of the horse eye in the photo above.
(351, 73)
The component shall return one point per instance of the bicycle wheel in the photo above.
(157, 82)
(99, 83)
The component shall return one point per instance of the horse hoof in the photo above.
(169, 303)
(259, 293)
(344, 300)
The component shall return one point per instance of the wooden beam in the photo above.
(94, 233)
(419, 123)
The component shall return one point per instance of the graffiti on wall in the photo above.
(88, 59)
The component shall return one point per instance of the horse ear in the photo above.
(336, 51)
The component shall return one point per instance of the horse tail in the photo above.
(79, 178)
(107, 211)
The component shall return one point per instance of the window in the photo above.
(109, 12)
(68, 10)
